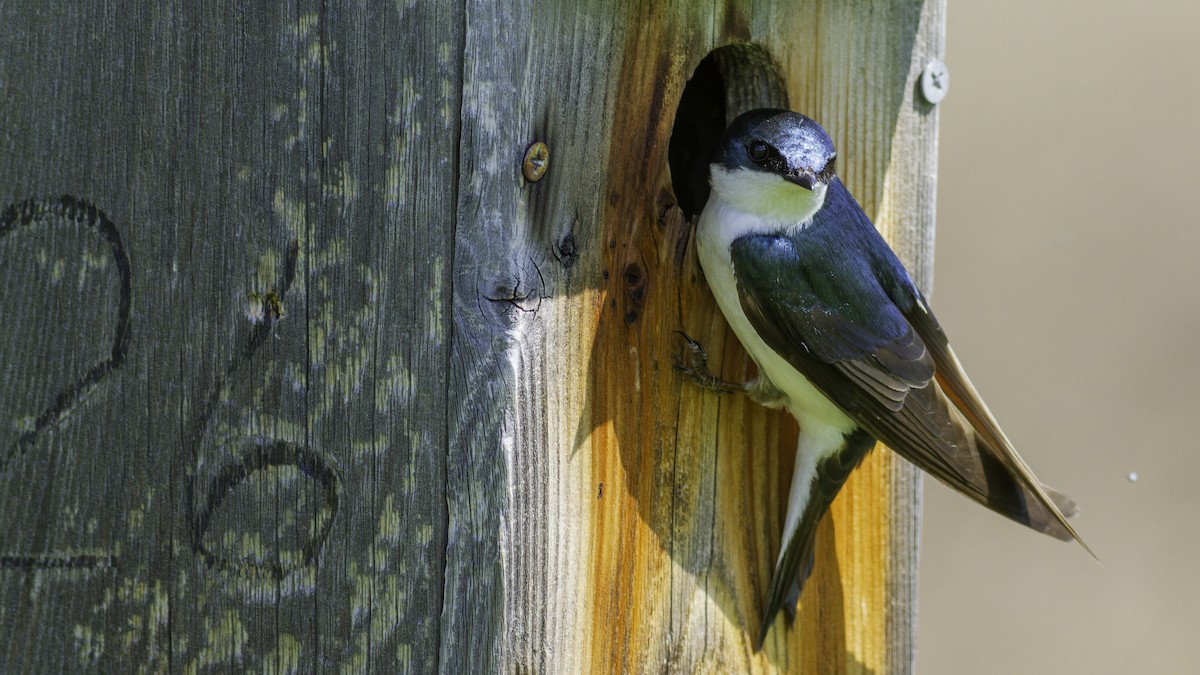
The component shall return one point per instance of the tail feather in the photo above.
(817, 478)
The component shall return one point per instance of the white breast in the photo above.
(719, 225)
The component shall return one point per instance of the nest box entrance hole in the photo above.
(729, 81)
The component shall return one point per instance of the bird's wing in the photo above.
(834, 301)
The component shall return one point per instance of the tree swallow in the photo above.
(843, 339)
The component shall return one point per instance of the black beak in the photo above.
(804, 179)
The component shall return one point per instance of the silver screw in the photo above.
(935, 81)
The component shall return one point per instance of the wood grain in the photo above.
(384, 404)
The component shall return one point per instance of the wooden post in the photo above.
(303, 374)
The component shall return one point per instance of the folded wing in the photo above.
(848, 317)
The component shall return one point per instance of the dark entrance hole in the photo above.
(729, 81)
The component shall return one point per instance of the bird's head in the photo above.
(774, 163)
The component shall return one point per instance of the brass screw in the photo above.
(537, 161)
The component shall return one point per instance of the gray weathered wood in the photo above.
(216, 138)
(303, 375)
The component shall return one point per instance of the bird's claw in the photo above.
(697, 370)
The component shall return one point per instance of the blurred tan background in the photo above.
(1068, 278)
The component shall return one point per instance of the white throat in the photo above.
(766, 196)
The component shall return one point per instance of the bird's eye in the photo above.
(758, 150)
(829, 170)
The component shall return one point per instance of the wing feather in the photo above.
(850, 319)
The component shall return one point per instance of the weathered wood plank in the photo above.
(256, 493)
(384, 404)
(703, 487)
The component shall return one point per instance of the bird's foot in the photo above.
(696, 368)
